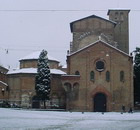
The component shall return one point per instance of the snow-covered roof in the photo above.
(34, 71)
(57, 71)
(3, 83)
(24, 70)
(96, 43)
(35, 55)
(70, 75)
(3, 67)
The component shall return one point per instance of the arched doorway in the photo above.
(99, 101)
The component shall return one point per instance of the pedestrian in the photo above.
(130, 110)
(123, 108)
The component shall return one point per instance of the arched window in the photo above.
(122, 76)
(108, 76)
(77, 73)
(92, 76)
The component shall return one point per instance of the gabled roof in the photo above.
(92, 16)
(96, 42)
(35, 56)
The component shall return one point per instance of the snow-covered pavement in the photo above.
(11, 119)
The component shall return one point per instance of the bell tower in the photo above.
(121, 32)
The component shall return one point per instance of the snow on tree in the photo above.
(42, 80)
(137, 75)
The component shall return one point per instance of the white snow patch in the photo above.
(34, 71)
(64, 66)
(24, 70)
(50, 120)
(35, 55)
(57, 71)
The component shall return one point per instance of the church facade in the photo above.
(100, 72)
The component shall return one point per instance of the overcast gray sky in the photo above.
(31, 25)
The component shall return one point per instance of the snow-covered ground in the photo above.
(11, 119)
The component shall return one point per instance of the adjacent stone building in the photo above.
(3, 84)
(22, 82)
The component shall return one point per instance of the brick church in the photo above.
(99, 73)
(99, 68)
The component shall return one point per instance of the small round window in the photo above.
(100, 65)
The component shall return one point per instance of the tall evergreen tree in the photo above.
(137, 75)
(42, 81)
